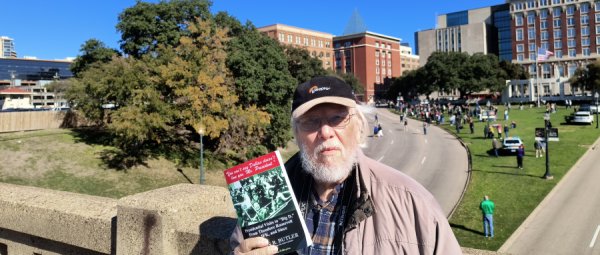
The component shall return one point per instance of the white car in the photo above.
(511, 144)
(580, 117)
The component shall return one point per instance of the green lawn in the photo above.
(515, 192)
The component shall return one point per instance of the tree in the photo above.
(146, 25)
(92, 51)
(351, 80)
(512, 71)
(301, 65)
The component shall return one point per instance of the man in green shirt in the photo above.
(487, 208)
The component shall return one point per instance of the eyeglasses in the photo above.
(337, 121)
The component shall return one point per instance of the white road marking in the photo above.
(380, 158)
(423, 161)
(595, 236)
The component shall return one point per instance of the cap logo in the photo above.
(315, 89)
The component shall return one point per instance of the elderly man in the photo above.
(352, 204)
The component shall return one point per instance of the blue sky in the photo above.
(56, 29)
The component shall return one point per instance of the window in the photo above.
(557, 34)
(544, 35)
(531, 56)
(376, 62)
(282, 37)
(519, 36)
(585, 41)
(597, 39)
(543, 13)
(597, 6)
(558, 53)
(306, 42)
(290, 38)
(572, 53)
(544, 24)
(584, 7)
(556, 23)
(377, 78)
(570, 10)
(597, 50)
(570, 21)
(347, 44)
(544, 2)
(545, 45)
(571, 32)
(531, 33)
(571, 43)
(320, 44)
(585, 19)
(389, 71)
(298, 40)
(383, 62)
(532, 47)
(376, 44)
(597, 15)
(520, 48)
(531, 18)
(531, 4)
(518, 20)
(313, 42)
(555, 1)
(520, 57)
(585, 31)
(557, 44)
(556, 11)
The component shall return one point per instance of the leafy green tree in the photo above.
(512, 71)
(146, 25)
(301, 65)
(92, 51)
(587, 78)
(353, 81)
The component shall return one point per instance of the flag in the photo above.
(544, 54)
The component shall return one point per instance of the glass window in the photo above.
(597, 15)
(376, 44)
(585, 19)
(520, 48)
(597, 29)
(531, 4)
(531, 56)
(570, 10)
(571, 43)
(544, 24)
(557, 33)
(571, 32)
(376, 62)
(543, 2)
(585, 31)
(558, 53)
(545, 45)
(544, 13)
(597, 39)
(597, 6)
(544, 35)
(531, 33)
(376, 53)
(531, 18)
(290, 38)
(518, 20)
(556, 23)
(585, 41)
(281, 37)
(584, 7)
(556, 11)
(555, 1)
(532, 47)
(572, 53)
(520, 57)
(570, 21)
(519, 36)
(597, 50)
(298, 40)
(557, 44)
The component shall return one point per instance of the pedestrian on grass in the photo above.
(539, 149)
(487, 209)
(520, 155)
(496, 146)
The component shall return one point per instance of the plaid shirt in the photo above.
(324, 220)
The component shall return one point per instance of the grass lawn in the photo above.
(515, 192)
(59, 160)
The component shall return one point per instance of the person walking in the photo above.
(506, 129)
(495, 146)
(405, 125)
(520, 155)
(486, 131)
(471, 125)
(379, 130)
(539, 149)
(425, 128)
(487, 209)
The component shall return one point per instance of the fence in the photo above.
(34, 120)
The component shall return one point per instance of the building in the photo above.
(15, 98)
(569, 30)
(32, 76)
(408, 61)
(318, 44)
(8, 47)
(485, 30)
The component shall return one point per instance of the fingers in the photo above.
(255, 246)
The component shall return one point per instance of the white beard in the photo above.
(324, 173)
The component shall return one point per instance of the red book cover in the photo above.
(265, 203)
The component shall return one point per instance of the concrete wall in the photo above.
(180, 219)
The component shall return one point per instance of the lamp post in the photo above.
(547, 175)
(201, 132)
(596, 97)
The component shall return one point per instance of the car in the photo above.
(511, 144)
(580, 117)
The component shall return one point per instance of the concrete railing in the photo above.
(180, 219)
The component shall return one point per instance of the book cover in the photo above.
(265, 203)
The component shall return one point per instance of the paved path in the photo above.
(568, 219)
(437, 160)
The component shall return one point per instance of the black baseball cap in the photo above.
(319, 90)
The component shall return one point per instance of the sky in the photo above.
(56, 29)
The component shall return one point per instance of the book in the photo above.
(265, 204)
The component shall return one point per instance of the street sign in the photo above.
(552, 134)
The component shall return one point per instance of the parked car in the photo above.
(511, 144)
(580, 117)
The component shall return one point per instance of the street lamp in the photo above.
(547, 175)
(596, 97)
(201, 132)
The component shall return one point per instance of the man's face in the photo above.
(327, 137)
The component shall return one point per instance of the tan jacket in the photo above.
(391, 213)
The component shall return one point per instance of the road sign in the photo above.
(552, 134)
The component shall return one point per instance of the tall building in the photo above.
(318, 44)
(371, 57)
(8, 47)
(485, 30)
(569, 29)
(408, 61)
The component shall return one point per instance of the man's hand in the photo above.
(255, 246)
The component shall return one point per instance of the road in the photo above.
(568, 219)
(437, 160)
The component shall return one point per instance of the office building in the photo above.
(408, 61)
(7, 45)
(318, 44)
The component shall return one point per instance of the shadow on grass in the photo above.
(185, 176)
(462, 227)
(517, 172)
